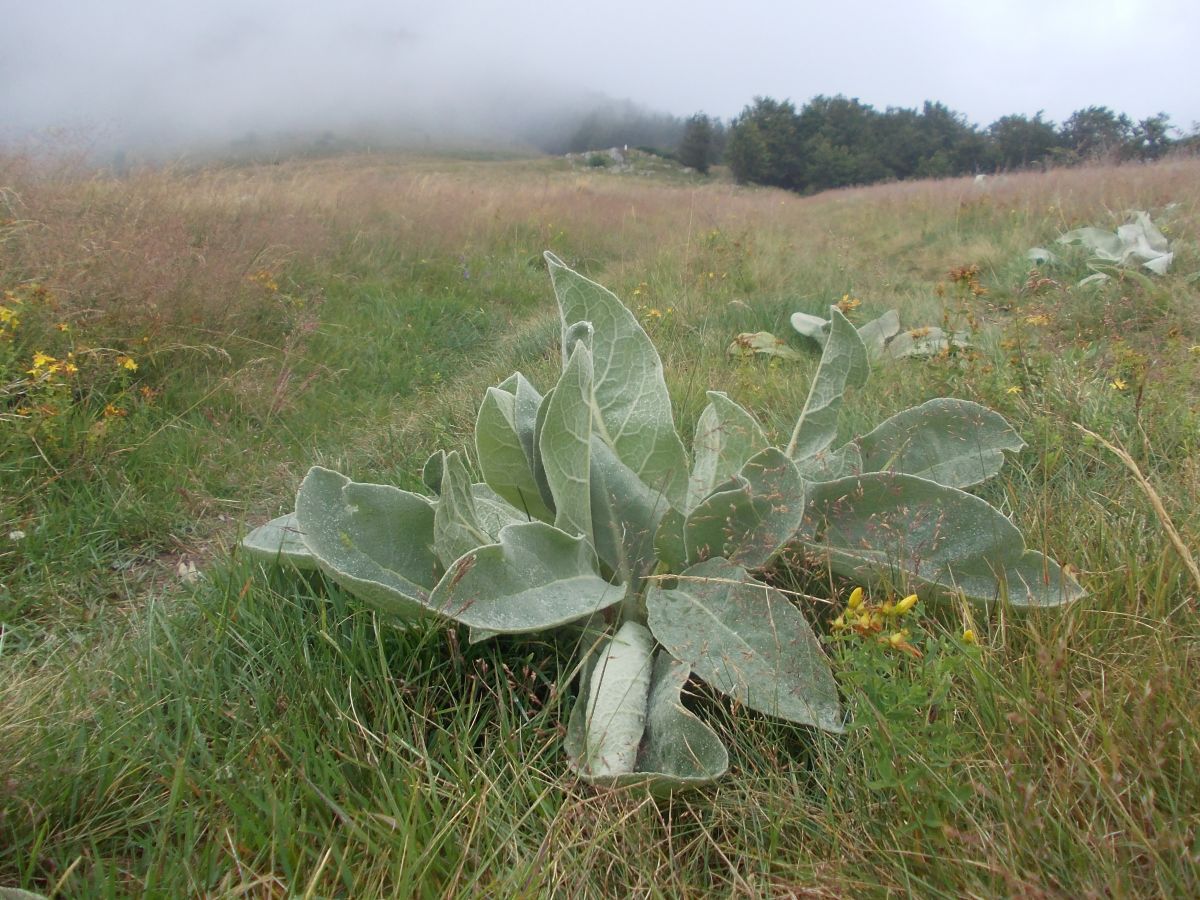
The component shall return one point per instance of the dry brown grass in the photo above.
(177, 245)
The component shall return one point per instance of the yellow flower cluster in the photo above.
(265, 279)
(848, 303)
(654, 312)
(9, 321)
(46, 366)
(878, 620)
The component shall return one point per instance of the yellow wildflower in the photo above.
(906, 604)
(654, 313)
(969, 637)
(1118, 384)
(126, 362)
(1039, 319)
(1195, 348)
(855, 600)
(110, 410)
(42, 362)
(1015, 389)
(63, 326)
(848, 303)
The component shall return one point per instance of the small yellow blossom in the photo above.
(855, 600)
(42, 362)
(1195, 348)
(906, 604)
(126, 362)
(1039, 319)
(63, 327)
(1015, 389)
(1118, 384)
(654, 313)
(848, 303)
(110, 410)
(969, 637)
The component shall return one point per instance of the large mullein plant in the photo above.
(590, 514)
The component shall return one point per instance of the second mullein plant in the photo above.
(588, 512)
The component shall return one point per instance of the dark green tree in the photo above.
(1097, 133)
(1150, 139)
(764, 146)
(1018, 142)
(696, 146)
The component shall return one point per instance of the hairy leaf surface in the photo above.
(843, 365)
(566, 444)
(678, 750)
(746, 640)
(726, 437)
(953, 442)
(749, 519)
(456, 527)
(372, 539)
(506, 463)
(629, 388)
(924, 535)
(535, 577)
(279, 541)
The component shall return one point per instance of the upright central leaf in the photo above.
(843, 365)
(726, 437)
(565, 445)
(629, 389)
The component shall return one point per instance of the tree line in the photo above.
(833, 142)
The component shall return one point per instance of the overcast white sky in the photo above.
(220, 67)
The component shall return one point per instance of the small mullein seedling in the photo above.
(589, 512)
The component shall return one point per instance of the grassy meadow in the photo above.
(181, 345)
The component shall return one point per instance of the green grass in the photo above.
(263, 734)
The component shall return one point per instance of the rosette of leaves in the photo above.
(589, 510)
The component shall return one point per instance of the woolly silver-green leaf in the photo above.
(843, 365)
(953, 442)
(876, 333)
(746, 640)
(677, 751)
(629, 388)
(565, 444)
(625, 515)
(279, 542)
(726, 437)
(920, 535)
(504, 433)
(456, 527)
(374, 540)
(749, 519)
(535, 577)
